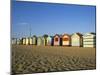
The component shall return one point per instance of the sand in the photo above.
(37, 59)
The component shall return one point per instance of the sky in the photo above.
(50, 18)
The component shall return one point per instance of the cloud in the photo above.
(22, 23)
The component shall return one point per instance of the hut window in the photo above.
(56, 39)
(65, 39)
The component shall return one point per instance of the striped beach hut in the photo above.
(34, 40)
(49, 40)
(77, 40)
(39, 41)
(66, 41)
(14, 41)
(57, 40)
(89, 40)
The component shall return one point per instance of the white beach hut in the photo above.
(14, 41)
(76, 39)
(18, 41)
(44, 38)
(49, 40)
(21, 41)
(34, 40)
(89, 40)
(40, 41)
(44, 41)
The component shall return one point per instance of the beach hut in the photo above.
(18, 41)
(14, 41)
(77, 40)
(45, 39)
(66, 40)
(24, 41)
(39, 41)
(21, 41)
(89, 40)
(27, 41)
(49, 40)
(34, 39)
(57, 40)
(30, 40)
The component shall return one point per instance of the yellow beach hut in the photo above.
(66, 40)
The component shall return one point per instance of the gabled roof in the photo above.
(91, 33)
(79, 34)
(65, 34)
(50, 36)
(34, 36)
(57, 35)
(13, 38)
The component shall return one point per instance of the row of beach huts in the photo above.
(76, 40)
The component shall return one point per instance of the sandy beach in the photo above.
(37, 59)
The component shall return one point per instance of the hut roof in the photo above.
(57, 35)
(23, 37)
(50, 37)
(34, 36)
(79, 34)
(14, 38)
(91, 33)
(65, 34)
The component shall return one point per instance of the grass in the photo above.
(37, 59)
